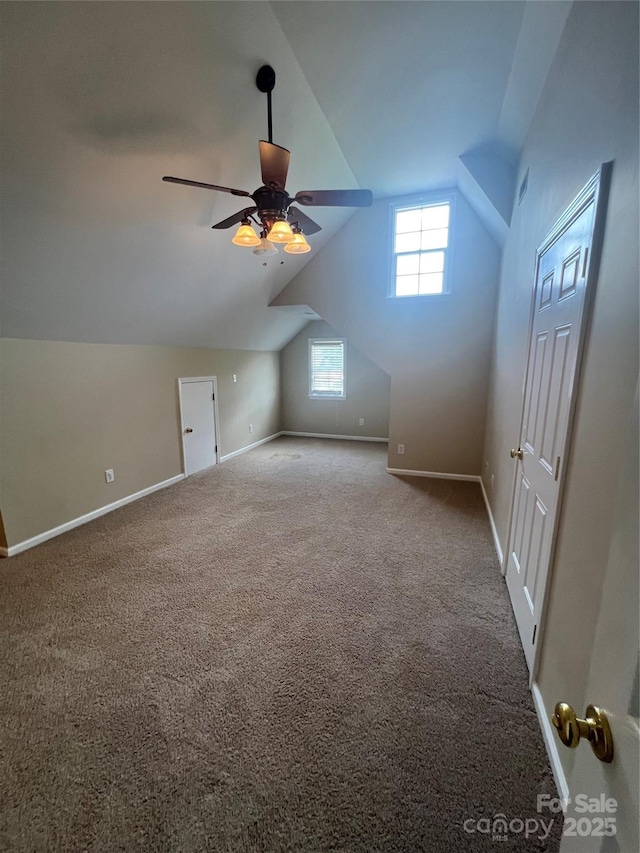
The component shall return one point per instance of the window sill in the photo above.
(392, 298)
(326, 397)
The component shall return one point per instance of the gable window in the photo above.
(421, 242)
(327, 368)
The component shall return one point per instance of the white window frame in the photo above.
(336, 340)
(422, 200)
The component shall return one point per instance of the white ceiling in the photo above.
(406, 86)
(99, 100)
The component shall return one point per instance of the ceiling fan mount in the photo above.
(272, 203)
(266, 79)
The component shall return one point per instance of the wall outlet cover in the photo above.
(401, 449)
(109, 475)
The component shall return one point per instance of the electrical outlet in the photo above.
(361, 421)
(401, 449)
(235, 378)
(486, 464)
(250, 427)
(493, 479)
(109, 476)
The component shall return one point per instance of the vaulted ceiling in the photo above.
(100, 100)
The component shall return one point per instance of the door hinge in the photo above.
(557, 474)
(584, 262)
(213, 396)
(216, 448)
(535, 628)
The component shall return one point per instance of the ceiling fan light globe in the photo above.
(298, 246)
(246, 236)
(266, 247)
(280, 232)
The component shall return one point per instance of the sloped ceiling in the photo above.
(99, 100)
(406, 86)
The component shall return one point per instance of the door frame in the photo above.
(597, 191)
(216, 419)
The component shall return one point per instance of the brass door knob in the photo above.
(594, 727)
(519, 453)
(188, 429)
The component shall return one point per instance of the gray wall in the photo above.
(367, 391)
(437, 350)
(588, 114)
(70, 410)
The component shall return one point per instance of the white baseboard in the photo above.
(83, 519)
(437, 475)
(551, 743)
(328, 435)
(251, 446)
(492, 524)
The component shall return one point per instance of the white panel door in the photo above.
(613, 686)
(198, 424)
(554, 352)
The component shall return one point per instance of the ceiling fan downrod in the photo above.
(265, 81)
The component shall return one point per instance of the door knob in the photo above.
(594, 727)
(188, 429)
(519, 453)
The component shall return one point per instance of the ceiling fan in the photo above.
(280, 221)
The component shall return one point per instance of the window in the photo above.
(327, 368)
(420, 247)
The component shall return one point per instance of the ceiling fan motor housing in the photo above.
(272, 204)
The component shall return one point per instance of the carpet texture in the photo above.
(292, 651)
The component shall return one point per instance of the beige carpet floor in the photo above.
(292, 651)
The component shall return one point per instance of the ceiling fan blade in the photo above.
(205, 186)
(307, 225)
(274, 164)
(335, 198)
(237, 217)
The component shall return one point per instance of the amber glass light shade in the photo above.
(246, 236)
(298, 246)
(280, 232)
